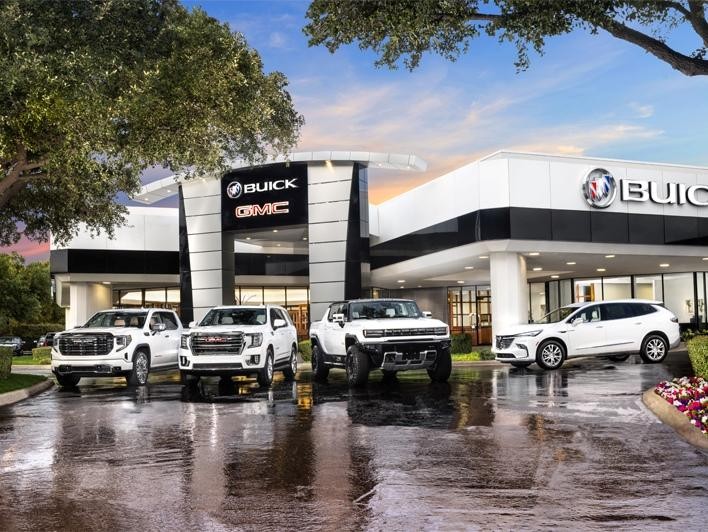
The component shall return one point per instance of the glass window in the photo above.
(588, 314)
(679, 297)
(588, 290)
(173, 295)
(274, 296)
(155, 298)
(648, 287)
(367, 310)
(251, 296)
(335, 308)
(297, 296)
(617, 311)
(553, 296)
(566, 292)
(537, 301)
(616, 288)
(700, 280)
(642, 309)
(235, 316)
(117, 319)
(131, 299)
(169, 320)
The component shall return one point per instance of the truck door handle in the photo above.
(167, 336)
(599, 326)
(637, 322)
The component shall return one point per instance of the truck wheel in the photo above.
(265, 375)
(188, 379)
(67, 381)
(550, 354)
(440, 372)
(291, 370)
(141, 369)
(319, 370)
(226, 386)
(654, 349)
(357, 366)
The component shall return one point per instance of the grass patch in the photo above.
(17, 381)
(473, 356)
(28, 360)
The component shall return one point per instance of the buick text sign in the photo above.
(265, 197)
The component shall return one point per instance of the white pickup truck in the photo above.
(118, 342)
(391, 334)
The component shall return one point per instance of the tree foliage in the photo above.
(25, 292)
(403, 30)
(92, 92)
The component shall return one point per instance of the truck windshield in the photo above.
(369, 310)
(235, 316)
(117, 319)
(557, 315)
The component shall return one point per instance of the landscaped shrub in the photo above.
(698, 353)
(305, 350)
(42, 355)
(486, 354)
(5, 362)
(461, 343)
(31, 330)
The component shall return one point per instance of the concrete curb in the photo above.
(16, 396)
(32, 366)
(668, 414)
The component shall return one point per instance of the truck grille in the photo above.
(430, 331)
(504, 342)
(217, 344)
(85, 344)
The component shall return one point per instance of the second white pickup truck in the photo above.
(388, 334)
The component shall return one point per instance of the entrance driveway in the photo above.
(496, 448)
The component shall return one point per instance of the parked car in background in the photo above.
(119, 342)
(14, 342)
(240, 340)
(47, 340)
(615, 329)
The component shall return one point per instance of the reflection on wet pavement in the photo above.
(493, 449)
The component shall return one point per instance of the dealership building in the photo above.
(498, 241)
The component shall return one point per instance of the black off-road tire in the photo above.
(440, 372)
(319, 370)
(291, 370)
(654, 349)
(67, 381)
(357, 366)
(619, 358)
(226, 386)
(141, 369)
(550, 354)
(265, 375)
(187, 379)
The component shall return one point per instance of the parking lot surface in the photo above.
(496, 448)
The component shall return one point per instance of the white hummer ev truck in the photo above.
(388, 334)
(118, 342)
(240, 340)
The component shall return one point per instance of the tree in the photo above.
(17, 300)
(92, 92)
(405, 29)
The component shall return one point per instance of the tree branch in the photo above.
(697, 18)
(689, 66)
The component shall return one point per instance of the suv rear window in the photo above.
(642, 309)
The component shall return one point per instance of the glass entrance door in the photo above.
(470, 311)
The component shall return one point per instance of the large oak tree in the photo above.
(92, 92)
(403, 30)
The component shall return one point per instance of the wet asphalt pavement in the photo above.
(494, 449)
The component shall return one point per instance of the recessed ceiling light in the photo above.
(570, 263)
(278, 245)
(609, 256)
(537, 269)
(484, 256)
(304, 238)
(106, 282)
(664, 265)
(469, 267)
(704, 258)
(275, 230)
(542, 293)
(420, 286)
(248, 238)
(401, 281)
(460, 282)
(554, 276)
(534, 254)
(601, 270)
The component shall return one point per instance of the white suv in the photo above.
(127, 342)
(614, 328)
(240, 340)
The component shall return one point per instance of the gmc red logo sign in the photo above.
(276, 207)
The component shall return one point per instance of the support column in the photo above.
(510, 293)
(85, 299)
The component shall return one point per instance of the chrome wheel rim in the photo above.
(293, 361)
(655, 349)
(269, 367)
(141, 368)
(552, 355)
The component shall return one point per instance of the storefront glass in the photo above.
(616, 288)
(679, 297)
(250, 296)
(588, 290)
(537, 301)
(648, 287)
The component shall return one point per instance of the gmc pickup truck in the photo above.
(388, 334)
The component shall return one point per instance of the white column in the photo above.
(85, 299)
(510, 292)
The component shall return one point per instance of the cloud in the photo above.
(277, 40)
(642, 111)
(31, 251)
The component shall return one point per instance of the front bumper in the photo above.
(522, 349)
(251, 360)
(401, 355)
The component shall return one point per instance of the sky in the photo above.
(587, 95)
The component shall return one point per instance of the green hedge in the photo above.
(42, 355)
(461, 343)
(698, 353)
(5, 362)
(305, 350)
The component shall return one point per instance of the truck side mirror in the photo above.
(192, 324)
(157, 327)
(427, 314)
(338, 318)
(277, 323)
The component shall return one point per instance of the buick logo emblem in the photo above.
(599, 188)
(234, 190)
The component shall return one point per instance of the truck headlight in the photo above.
(373, 333)
(255, 339)
(122, 342)
(440, 331)
(184, 341)
(528, 333)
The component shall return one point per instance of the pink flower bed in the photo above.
(690, 396)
